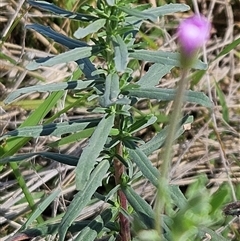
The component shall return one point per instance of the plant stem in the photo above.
(125, 234)
(163, 191)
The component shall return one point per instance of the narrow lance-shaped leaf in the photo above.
(71, 55)
(144, 164)
(140, 206)
(91, 232)
(51, 229)
(142, 123)
(92, 150)
(114, 88)
(57, 37)
(139, 14)
(53, 129)
(111, 91)
(228, 48)
(62, 12)
(161, 57)
(62, 158)
(76, 85)
(41, 207)
(91, 28)
(155, 12)
(87, 68)
(167, 9)
(72, 138)
(169, 94)
(104, 100)
(154, 75)
(177, 196)
(157, 141)
(121, 53)
(15, 143)
(84, 64)
(82, 198)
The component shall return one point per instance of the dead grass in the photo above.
(211, 146)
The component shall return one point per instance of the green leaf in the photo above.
(121, 53)
(73, 137)
(154, 75)
(161, 57)
(144, 164)
(91, 152)
(169, 94)
(114, 87)
(139, 14)
(196, 77)
(13, 144)
(91, 28)
(84, 64)
(82, 198)
(87, 68)
(91, 232)
(76, 85)
(157, 141)
(65, 159)
(59, 11)
(140, 206)
(111, 91)
(223, 103)
(71, 55)
(57, 37)
(52, 129)
(177, 196)
(228, 48)
(219, 198)
(187, 227)
(46, 229)
(144, 122)
(41, 207)
(167, 9)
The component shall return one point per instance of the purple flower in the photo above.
(192, 33)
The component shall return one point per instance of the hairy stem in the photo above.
(163, 195)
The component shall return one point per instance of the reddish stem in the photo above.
(125, 234)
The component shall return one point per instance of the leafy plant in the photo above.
(112, 149)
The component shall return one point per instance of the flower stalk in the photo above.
(192, 34)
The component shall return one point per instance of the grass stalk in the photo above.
(23, 186)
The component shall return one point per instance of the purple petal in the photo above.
(192, 33)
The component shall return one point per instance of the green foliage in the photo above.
(113, 94)
(82, 198)
(200, 212)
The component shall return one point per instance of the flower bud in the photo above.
(192, 34)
